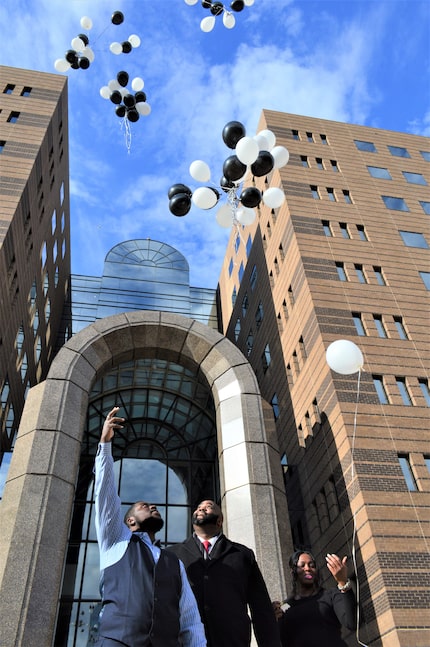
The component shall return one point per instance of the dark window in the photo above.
(379, 325)
(327, 228)
(368, 147)
(379, 275)
(253, 278)
(259, 314)
(424, 386)
(323, 139)
(341, 271)
(26, 91)
(249, 342)
(310, 137)
(9, 89)
(295, 134)
(314, 191)
(275, 406)
(398, 151)
(233, 296)
(408, 475)
(266, 357)
(398, 322)
(331, 194)
(13, 117)
(378, 383)
(241, 271)
(304, 161)
(344, 230)
(404, 391)
(347, 196)
(319, 162)
(397, 204)
(358, 323)
(360, 274)
(361, 232)
(237, 329)
(245, 304)
(2, 145)
(334, 166)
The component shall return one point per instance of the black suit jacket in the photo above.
(224, 586)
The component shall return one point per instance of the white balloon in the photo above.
(207, 24)
(228, 20)
(263, 143)
(134, 40)
(245, 215)
(204, 197)
(105, 92)
(344, 357)
(200, 171)
(273, 197)
(86, 23)
(247, 150)
(224, 216)
(143, 108)
(249, 3)
(78, 44)
(191, 2)
(114, 85)
(270, 136)
(61, 65)
(281, 156)
(88, 53)
(115, 48)
(137, 84)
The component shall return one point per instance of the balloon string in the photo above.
(127, 133)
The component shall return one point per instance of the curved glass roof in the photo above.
(147, 252)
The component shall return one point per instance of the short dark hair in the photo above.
(129, 513)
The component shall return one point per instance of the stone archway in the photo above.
(38, 499)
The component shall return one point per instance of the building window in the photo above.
(291, 296)
(237, 329)
(249, 343)
(331, 194)
(241, 271)
(344, 230)
(2, 145)
(245, 304)
(368, 147)
(414, 178)
(380, 173)
(295, 134)
(398, 322)
(341, 271)
(361, 232)
(426, 155)
(230, 267)
(320, 164)
(253, 277)
(266, 358)
(347, 196)
(404, 392)
(334, 166)
(414, 239)
(315, 193)
(398, 151)
(237, 244)
(26, 91)
(379, 275)
(233, 296)
(259, 315)
(425, 277)
(407, 472)
(379, 325)
(326, 228)
(323, 139)
(424, 205)
(9, 89)
(304, 161)
(275, 406)
(360, 273)
(310, 138)
(358, 323)
(248, 246)
(424, 386)
(397, 204)
(13, 117)
(378, 383)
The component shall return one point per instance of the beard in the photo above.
(152, 524)
(209, 519)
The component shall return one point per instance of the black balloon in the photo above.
(232, 132)
(120, 111)
(206, 4)
(116, 97)
(132, 114)
(178, 188)
(117, 18)
(71, 56)
(237, 5)
(233, 168)
(263, 164)
(75, 64)
(140, 97)
(226, 184)
(122, 78)
(217, 8)
(129, 100)
(84, 63)
(250, 197)
(84, 38)
(126, 47)
(180, 204)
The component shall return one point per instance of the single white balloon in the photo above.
(61, 65)
(281, 156)
(224, 216)
(105, 92)
(137, 84)
(249, 3)
(270, 136)
(143, 108)
(115, 48)
(344, 357)
(77, 44)
(134, 40)
(191, 2)
(88, 53)
(86, 23)
(263, 143)
(200, 171)
(114, 85)
(228, 20)
(247, 150)
(273, 197)
(207, 24)
(204, 197)
(245, 215)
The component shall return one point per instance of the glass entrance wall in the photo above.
(166, 454)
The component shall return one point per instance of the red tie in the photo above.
(206, 544)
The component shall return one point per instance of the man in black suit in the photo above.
(226, 580)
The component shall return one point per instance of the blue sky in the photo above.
(359, 61)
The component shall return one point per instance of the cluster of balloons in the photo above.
(81, 55)
(344, 357)
(217, 9)
(129, 104)
(256, 155)
(127, 45)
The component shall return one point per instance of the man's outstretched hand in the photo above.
(110, 424)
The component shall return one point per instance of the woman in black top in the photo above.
(313, 616)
